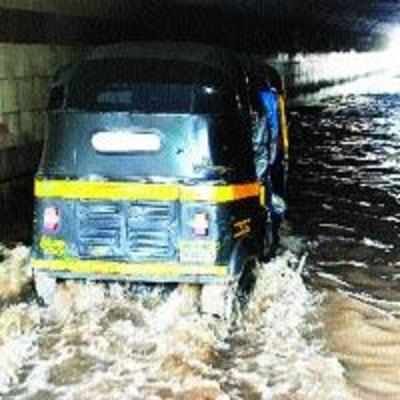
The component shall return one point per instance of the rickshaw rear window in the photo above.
(150, 86)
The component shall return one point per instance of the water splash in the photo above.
(104, 343)
(279, 331)
(15, 273)
(18, 342)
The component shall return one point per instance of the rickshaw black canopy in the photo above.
(154, 77)
(194, 97)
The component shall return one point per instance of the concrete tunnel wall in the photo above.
(307, 74)
(25, 72)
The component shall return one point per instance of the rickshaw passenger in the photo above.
(270, 101)
(267, 159)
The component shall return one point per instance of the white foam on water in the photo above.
(15, 272)
(279, 328)
(18, 342)
(94, 342)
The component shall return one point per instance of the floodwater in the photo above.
(345, 187)
(93, 343)
(321, 323)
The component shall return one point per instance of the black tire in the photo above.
(247, 282)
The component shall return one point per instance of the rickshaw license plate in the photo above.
(198, 251)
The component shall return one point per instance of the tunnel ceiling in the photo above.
(271, 25)
(253, 25)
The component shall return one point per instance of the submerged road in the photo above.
(345, 203)
(345, 187)
(330, 331)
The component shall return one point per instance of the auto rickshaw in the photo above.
(148, 172)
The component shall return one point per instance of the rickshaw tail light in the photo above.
(51, 219)
(200, 224)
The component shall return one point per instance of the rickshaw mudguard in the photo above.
(244, 250)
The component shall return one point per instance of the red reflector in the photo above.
(51, 219)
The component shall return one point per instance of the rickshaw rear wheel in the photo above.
(45, 287)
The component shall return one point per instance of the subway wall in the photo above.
(25, 73)
(308, 75)
(31, 49)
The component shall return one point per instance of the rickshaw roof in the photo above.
(216, 57)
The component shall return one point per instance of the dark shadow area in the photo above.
(290, 29)
(16, 205)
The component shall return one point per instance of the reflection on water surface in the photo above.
(346, 203)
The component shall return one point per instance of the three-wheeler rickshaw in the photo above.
(148, 172)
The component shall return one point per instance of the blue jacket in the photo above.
(266, 134)
(270, 100)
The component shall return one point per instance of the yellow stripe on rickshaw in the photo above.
(105, 190)
(263, 196)
(219, 194)
(284, 125)
(148, 270)
(75, 190)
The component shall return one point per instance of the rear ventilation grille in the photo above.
(100, 228)
(138, 231)
(151, 230)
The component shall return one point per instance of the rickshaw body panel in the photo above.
(186, 212)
